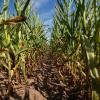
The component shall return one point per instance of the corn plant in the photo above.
(19, 40)
(29, 34)
(76, 34)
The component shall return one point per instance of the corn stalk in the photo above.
(76, 35)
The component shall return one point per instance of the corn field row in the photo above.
(66, 68)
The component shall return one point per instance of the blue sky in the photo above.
(45, 8)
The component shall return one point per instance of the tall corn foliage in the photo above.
(19, 40)
(76, 35)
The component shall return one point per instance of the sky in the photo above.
(45, 8)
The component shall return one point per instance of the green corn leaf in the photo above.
(91, 59)
(5, 6)
(22, 64)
